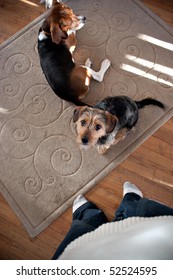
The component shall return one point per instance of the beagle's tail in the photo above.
(147, 102)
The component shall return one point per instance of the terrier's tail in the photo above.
(149, 101)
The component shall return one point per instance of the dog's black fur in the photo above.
(57, 63)
(125, 109)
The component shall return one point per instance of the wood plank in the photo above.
(14, 15)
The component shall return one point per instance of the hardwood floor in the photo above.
(150, 166)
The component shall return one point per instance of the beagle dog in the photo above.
(56, 44)
(109, 121)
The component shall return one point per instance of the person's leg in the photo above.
(127, 208)
(150, 208)
(88, 212)
(134, 205)
(86, 217)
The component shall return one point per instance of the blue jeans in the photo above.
(88, 217)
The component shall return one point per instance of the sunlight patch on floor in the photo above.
(157, 67)
(142, 73)
(165, 74)
(3, 110)
(29, 2)
(163, 182)
(156, 42)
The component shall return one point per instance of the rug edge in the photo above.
(159, 20)
(22, 31)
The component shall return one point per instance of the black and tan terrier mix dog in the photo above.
(109, 121)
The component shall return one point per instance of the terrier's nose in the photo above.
(85, 140)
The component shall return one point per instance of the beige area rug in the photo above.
(42, 169)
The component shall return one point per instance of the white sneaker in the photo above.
(131, 188)
(79, 201)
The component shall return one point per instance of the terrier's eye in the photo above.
(83, 123)
(98, 127)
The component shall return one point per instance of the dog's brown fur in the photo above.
(91, 124)
(59, 21)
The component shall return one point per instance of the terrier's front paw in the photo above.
(101, 149)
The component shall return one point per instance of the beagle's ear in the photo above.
(57, 34)
(78, 112)
(111, 122)
(46, 25)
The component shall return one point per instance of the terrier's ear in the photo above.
(111, 122)
(77, 113)
(57, 34)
